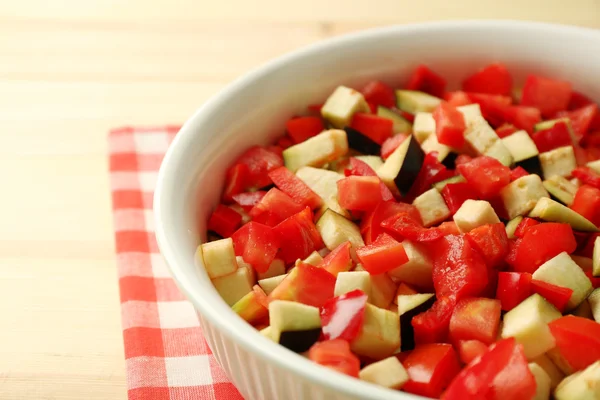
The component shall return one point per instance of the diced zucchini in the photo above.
(249, 308)
(418, 270)
(269, 333)
(323, 183)
(584, 310)
(596, 258)
(243, 264)
(561, 189)
(375, 162)
(402, 167)
(413, 101)
(594, 302)
(512, 225)
(583, 385)
(424, 126)
(520, 145)
(335, 230)
(432, 207)
(521, 195)
(432, 144)
(594, 165)
(474, 213)
(379, 336)
(552, 211)
(294, 325)
(560, 161)
(542, 382)
(554, 373)
(388, 373)
(313, 258)
(352, 280)
(361, 143)
(316, 151)
(408, 307)
(455, 179)
(562, 271)
(219, 257)
(269, 284)
(342, 105)
(383, 289)
(234, 286)
(470, 112)
(484, 141)
(540, 126)
(277, 267)
(401, 124)
(528, 324)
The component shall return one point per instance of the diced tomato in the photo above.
(224, 221)
(294, 187)
(335, 354)
(548, 95)
(469, 350)
(475, 319)
(372, 107)
(359, 192)
(403, 226)
(492, 79)
(262, 299)
(577, 339)
(455, 194)
(459, 270)
(501, 373)
(302, 128)
(404, 289)
(391, 144)
(371, 224)
(431, 368)
(513, 288)
(552, 138)
(492, 106)
(260, 161)
(448, 228)
(284, 142)
(595, 281)
(275, 149)
(586, 249)
(587, 176)
(462, 159)
(587, 203)
(457, 98)
(383, 255)
(524, 225)
(432, 171)
(299, 237)
(522, 117)
(557, 295)
(306, 284)
(315, 108)
(374, 127)
(592, 139)
(581, 119)
(361, 168)
(491, 241)
(578, 100)
(380, 94)
(517, 173)
(449, 125)
(542, 242)
(247, 200)
(274, 207)
(235, 181)
(339, 260)
(427, 81)
(342, 317)
(486, 175)
(257, 244)
(505, 130)
(432, 325)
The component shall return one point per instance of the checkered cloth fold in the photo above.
(166, 354)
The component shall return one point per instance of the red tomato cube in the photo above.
(475, 319)
(577, 339)
(383, 255)
(335, 354)
(342, 317)
(427, 81)
(492, 79)
(303, 128)
(257, 244)
(486, 175)
(449, 125)
(548, 95)
(513, 288)
(378, 93)
(431, 368)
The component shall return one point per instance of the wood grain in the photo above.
(72, 69)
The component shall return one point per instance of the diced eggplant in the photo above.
(269, 284)
(417, 270)
(450, 160)
(313, 258)
(521, 196)
(484, 141)
(401, 124)
(560, 161)
(379, 336)
(352, 280)
(323, 183)
(521, 146)
(413, 101)
(383, 289)
(455, 179)
(594, 302)
(316, 151)
(432, 207)
(583, 385)
(335, 230)
(424, 126)
(554, 373)
(512, 225)
(388, 373)
(432, 144)
(277, 267)
(268, 332)
(342, 104)
(409, 306)
(542, 382)
(234, 286)
(552, 211)
(584, 310)
(296, 326)
(540, 126)
(528, 324)
(596, 258)
(218, 256)
(564, 272)
(361, 143)
(531, 165)
(561, 189)
(402, 167)
(474, 213)
(470, 112)
(375, 162)
(594, 165)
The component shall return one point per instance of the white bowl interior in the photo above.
(253, 110)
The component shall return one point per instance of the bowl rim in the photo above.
(234, 327)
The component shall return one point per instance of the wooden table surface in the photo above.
(72, 69)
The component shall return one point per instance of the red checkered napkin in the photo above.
(166, 354)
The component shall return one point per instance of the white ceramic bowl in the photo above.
(253, 109)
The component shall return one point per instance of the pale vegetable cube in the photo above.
(219, 257)
(475, 213)
(234, 286)
(559, 162)
(342, 104)
(583, 385)
(542, 382)
(521, 195)
(388, 373)
(418, 270)
(432, 207)
(423, 126)
(349, 281)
